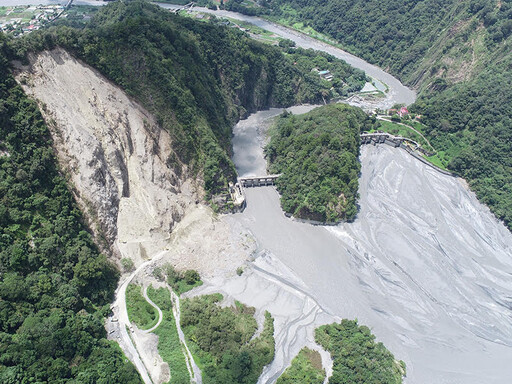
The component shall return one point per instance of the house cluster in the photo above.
(400, 112)
(23, 19)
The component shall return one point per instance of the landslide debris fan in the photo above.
(196, 78)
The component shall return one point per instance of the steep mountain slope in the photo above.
(458, 54)
(55, 287)
(137, 144)
(114, 152)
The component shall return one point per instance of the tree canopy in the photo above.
(55, 287)
(317, 155)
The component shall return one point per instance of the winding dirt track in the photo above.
(191, 364)
(119, 304)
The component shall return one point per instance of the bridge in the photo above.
(237, 190)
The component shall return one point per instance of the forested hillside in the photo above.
(55, 287)
(317, 155)
(197, 78)
(458, 54)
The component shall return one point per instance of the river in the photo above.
(425, 265)
(397, 92)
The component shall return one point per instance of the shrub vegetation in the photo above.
(143, 314)
(357, 358)
(306, 368)
(222, 339)
(317, 155)
(169, 346)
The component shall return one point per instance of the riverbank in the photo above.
(397, 93)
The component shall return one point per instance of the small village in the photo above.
(18, 20)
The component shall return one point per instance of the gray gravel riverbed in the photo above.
(425, 265)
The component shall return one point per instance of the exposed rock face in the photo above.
(114, 152)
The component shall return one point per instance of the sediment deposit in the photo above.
(425, 265)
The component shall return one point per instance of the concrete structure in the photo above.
(386, 138)
(257, 181)
(409, 145)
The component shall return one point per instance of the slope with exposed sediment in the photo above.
(114, 153)
(115, 156)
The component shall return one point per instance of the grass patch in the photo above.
(139, 310)
(222, 339)
(169, 346)
(436, 160)
(306, 368)
(182, 286)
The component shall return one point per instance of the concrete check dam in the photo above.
(409, 145)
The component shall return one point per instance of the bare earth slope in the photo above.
(116, 158)
(113, 151)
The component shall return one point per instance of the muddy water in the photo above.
(425, 265)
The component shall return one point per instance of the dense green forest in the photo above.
(197, 78)
(357, 358)
(55, 287)
(306, 367)
(222, 339)
(457, 53)
(317, 154)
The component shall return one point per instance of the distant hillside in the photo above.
(458, 54)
